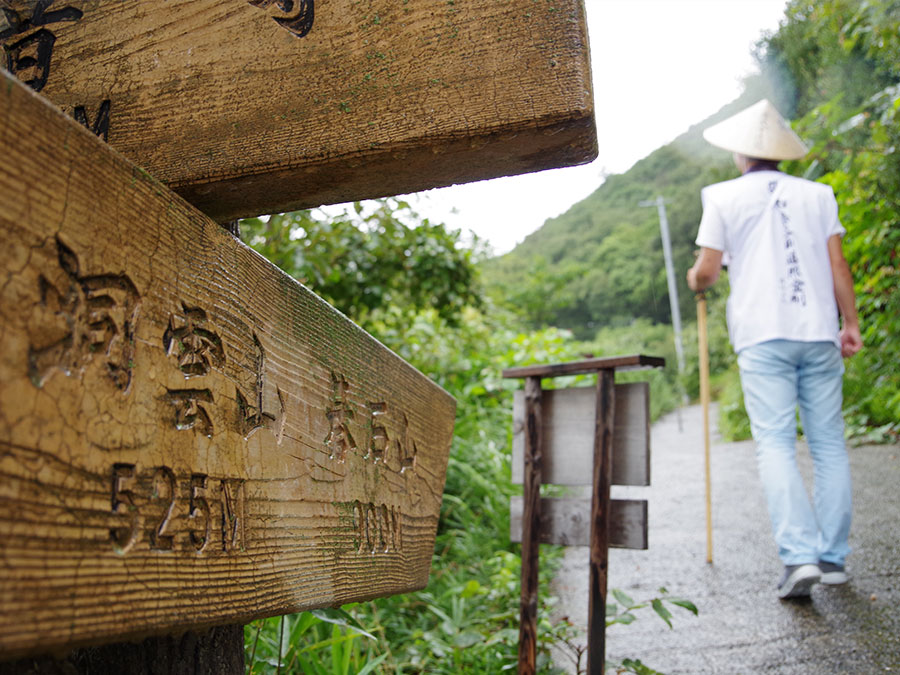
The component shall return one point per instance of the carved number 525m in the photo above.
(191, 513)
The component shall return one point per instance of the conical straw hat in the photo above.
(758, 131)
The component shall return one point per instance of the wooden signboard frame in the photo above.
(246, 107)
(534, 428)
(188, 437)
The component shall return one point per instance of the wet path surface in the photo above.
(743, 627)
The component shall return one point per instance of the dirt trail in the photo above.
(742, 626)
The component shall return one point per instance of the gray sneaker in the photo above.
(832, 573)
(797, 580)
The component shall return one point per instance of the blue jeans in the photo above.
(777, 377)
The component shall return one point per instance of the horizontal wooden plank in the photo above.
(257, 106)
(634, 362)
(568, 418)
(566, 521)
(187, 435)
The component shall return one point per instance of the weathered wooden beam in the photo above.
(214, 651)
(599, 521)
(565, 521)
(256, 106)
(188, 437)
(619, 363)
(569, 435)
(531, 520)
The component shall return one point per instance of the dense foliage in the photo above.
(600, 263)
(842, 58)
(466, 620)
(379, 258)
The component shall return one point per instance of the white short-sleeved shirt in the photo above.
(773, 230)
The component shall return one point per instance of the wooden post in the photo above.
(600, 516)
(187, 437)
(703, 349)
(531, 526)
(600, 522)
(215, 651)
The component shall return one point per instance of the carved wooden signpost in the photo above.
(256, 106)
(581, 436)
(189, 438)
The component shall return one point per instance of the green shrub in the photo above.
(734, 425)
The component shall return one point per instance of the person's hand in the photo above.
(705, 270)
(851, 341)
(692, 279)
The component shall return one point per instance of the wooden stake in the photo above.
(602, 477)
(703, 348)
(531, 523)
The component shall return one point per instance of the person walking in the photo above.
(781, 240)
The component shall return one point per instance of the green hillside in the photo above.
(601, 262)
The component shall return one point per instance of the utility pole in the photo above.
(660, 205)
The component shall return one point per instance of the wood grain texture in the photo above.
(599, 521)
(633, 362)
(703, 353)
(188, 437)
(227, 103)
(565, 521)
(531, 524)
(569, 435)
(213, 651)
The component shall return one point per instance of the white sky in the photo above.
(659, 66)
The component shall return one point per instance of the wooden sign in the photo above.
(566, 521)
(188, 437)
(256, 106)
(568, 425)
(568, 428)
(553, 428)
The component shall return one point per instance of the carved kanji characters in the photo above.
(301, 23)
(87, 317)
(194, 342)
(191, 409)
(339, 439)
(29, 57)
(378, 438)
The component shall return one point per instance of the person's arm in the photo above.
(851, 340)
(706, 269)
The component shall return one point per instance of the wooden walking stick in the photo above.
(703, 349)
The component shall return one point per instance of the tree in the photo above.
(377, 259)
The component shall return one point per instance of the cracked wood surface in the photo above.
(188, 437)
(248, 107)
